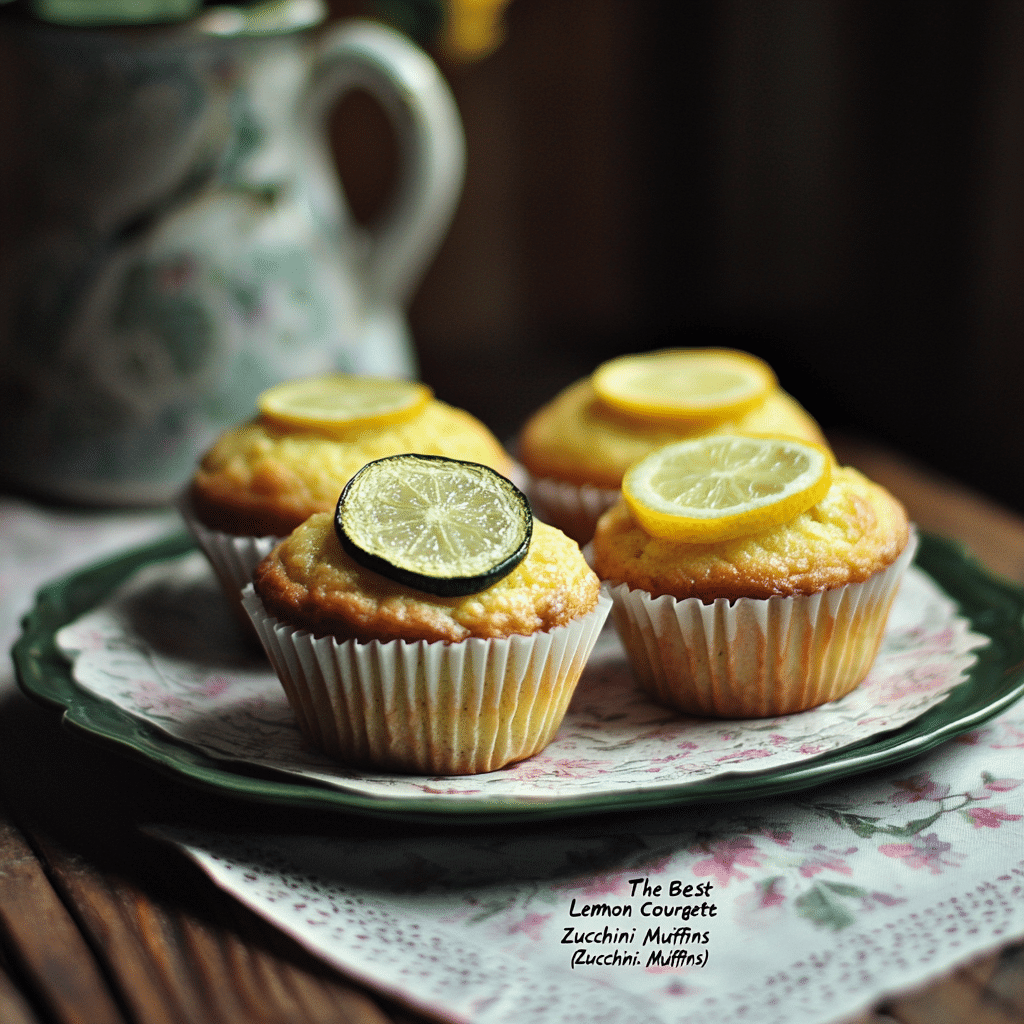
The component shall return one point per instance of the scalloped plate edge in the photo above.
(994, 606)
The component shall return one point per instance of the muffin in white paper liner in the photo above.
(429, 708)
(756, 657)
(573, 508)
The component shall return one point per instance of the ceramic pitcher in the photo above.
(184, 241)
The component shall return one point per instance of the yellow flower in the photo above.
(472, 28)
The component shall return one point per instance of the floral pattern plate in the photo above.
(140, 652)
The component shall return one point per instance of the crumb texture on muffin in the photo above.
(577, 438)
(262, 480)
(857, 529)
(309, 581)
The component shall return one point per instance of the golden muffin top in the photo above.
(261, 479)
(857, 529)
(310, 582)
(579, 439)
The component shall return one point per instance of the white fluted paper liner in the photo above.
(756, 657)
(232, 558)
(573, 508)
(429, 708)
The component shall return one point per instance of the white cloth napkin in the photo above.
(40, 543)
(802, 910)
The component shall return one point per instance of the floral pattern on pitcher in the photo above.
(189, 243)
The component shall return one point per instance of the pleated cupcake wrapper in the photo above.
(573, 508)
(233, 558)
(756, 658)
(429, 708)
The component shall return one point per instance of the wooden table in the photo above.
(99, 925)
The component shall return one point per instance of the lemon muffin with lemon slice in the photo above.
(430, 624)
(265, 477)
(577, 447)
(751, 576)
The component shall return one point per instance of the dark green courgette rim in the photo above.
(439, 586)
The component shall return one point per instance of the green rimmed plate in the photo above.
(993, 608)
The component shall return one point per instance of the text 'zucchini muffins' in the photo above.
(578, 446)
(772, 618)
(263, 478)
(386, 675)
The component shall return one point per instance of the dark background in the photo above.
(834, 185)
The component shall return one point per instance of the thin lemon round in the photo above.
(341, 401)
(725, 486)
(444, 526)
(684, 385)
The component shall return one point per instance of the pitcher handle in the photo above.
(408, 85)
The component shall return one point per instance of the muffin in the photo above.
(763, 624)
(262, 479)
(384, 675)
(577, 446)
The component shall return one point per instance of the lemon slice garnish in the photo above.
(684, 384)
(724, 486)
(440, 525)
(341, 401)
